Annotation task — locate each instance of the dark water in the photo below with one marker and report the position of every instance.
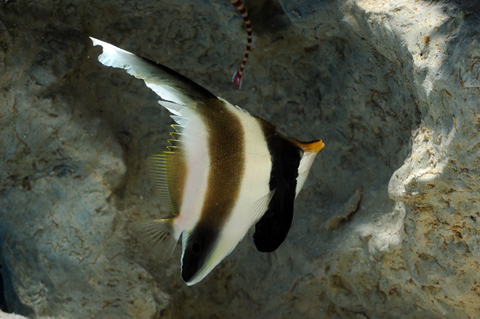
(3, 304)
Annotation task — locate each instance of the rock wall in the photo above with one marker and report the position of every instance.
(385, 226)
(4, 315)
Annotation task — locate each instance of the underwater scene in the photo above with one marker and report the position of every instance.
(239, 159)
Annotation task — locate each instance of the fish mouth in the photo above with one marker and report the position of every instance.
(313, 146)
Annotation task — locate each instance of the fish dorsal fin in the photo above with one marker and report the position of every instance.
(168, 84)
(167, 171)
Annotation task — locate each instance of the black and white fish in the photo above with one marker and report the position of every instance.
(225, 171)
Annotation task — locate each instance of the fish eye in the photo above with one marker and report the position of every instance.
(196, 248)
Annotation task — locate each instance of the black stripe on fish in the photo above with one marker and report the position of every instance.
(198, 248)
(272, 229)
(227, 161)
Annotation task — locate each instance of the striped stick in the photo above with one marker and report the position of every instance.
(237, 77)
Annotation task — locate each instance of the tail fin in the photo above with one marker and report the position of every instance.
(157, 235)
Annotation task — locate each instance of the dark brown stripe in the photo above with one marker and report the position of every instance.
(227, 161)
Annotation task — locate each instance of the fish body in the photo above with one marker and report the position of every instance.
(225, 171)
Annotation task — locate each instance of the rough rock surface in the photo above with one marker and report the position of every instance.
(387, 225)
(4, 315)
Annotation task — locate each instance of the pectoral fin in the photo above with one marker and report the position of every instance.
(260, 206)
(272, 229)
(168, 172)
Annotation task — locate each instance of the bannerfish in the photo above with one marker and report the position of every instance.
(237, 76)
(225, 171)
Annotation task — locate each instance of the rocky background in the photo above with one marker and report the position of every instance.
(387, 224)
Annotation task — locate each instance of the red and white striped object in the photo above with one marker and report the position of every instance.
(237, 77)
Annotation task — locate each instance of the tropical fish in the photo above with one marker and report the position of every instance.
(225, 171)
(237, 76)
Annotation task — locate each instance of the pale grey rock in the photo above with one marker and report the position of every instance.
(4, 315)
(350, 207)
(392, 87)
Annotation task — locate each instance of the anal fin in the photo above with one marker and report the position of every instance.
(158, 236)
